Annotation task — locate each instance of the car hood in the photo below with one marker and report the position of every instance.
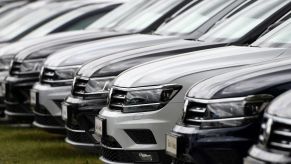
(171, 69)
(262, 78)
(281, 106)
(79, 55)
(15, 48)
(59, 41)
(112, 65)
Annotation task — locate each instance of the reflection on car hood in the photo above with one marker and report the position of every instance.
(15, 48)
(262, 78)
(59, 41)
(112, 65)
(281, 106)
(81, 54)
(168, 70)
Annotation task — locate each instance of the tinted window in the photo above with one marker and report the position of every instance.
(74, 20)
(82, 24)
(120, 13)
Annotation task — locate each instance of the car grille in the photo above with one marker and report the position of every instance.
(117, 99)
(116, 155)
(141, 136)
(72, 122)
(110, 142)
(80, 137)
(48, 76)
(79, 86)
(15, 68)
(195, 112)
(276, 134)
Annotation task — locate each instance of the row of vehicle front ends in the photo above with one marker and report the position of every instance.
(218, 97)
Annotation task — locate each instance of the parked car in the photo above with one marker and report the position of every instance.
(146, 101)
(273, 146)
(47, 111)
(81, 106)
(17, 100)
(225, 112)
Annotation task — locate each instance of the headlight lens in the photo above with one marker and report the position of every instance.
(145, 100)
(96, 85)
(66, 74)
(226, 113)
(5, 64)
(31, 66)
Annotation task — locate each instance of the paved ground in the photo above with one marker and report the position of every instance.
(33, 146)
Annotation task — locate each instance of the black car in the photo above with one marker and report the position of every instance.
(17, 100)
(83, 104)
(273, 145)
(223, 114)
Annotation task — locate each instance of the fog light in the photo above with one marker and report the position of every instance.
(146, 156)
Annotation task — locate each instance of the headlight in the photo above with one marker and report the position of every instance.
(96, 85)
(66, 74)
(145, 99)
(31, 65)
(5, 64)
(225, 112)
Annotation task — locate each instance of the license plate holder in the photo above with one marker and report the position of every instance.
(33, 97)
(64, 112)
(100, 128)
(173, 143)
(3, 89)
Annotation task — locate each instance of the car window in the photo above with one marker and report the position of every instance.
(190, 20)
(29, 21)
(143, 19)
(243, 22)
(120, 13)
(61, 24)
(82, 24)
(278, 37)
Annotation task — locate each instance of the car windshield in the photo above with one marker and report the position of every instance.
(278, 37)
(122, 12)
(190, 20)
(29, 21)
(244, 21)
(62, 20)
(144, 19)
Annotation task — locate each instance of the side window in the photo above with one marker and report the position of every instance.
(81, 23)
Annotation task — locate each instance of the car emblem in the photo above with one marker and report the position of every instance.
(267, 132)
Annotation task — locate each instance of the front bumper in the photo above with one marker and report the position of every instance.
(258, 155)
(17, 97)
(211, 146)
(80, 121)
(134, 134)
(47, 108)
